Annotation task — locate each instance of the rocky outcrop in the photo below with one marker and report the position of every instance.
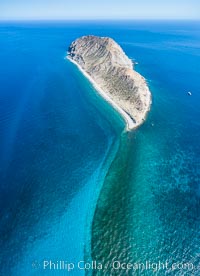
(108, 66)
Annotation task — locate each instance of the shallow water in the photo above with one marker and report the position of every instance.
(58, 139)
(149, 208)
(53, 150)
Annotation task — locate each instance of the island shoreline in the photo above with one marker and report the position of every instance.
(129, 123)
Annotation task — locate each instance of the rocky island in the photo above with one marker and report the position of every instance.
(106, 65)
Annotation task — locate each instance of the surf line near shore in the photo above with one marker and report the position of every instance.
(130, 124)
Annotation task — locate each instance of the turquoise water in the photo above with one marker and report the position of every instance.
(59, 199)
(149, 207)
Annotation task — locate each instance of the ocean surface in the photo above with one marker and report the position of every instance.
(73, 185)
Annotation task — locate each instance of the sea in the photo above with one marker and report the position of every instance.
(75, 188)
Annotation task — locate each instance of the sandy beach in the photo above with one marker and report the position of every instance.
(130, 124)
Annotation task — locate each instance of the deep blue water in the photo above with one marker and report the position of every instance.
(57, 140)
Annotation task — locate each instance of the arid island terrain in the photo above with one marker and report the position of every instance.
(106, 65)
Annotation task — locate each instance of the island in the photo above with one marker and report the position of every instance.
(112, 73)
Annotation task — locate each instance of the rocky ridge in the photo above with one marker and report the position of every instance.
(109, 67)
